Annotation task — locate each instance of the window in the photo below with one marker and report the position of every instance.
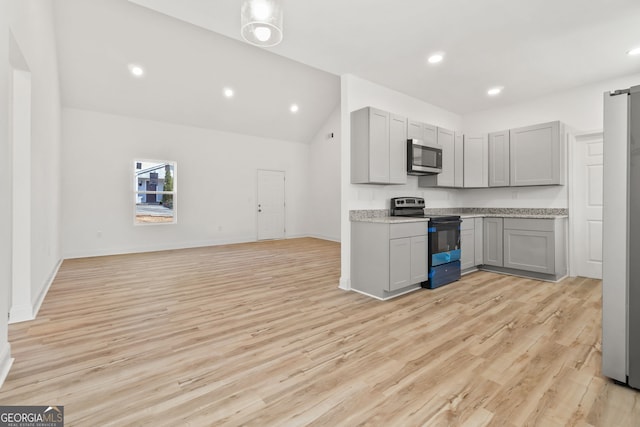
(154, 188)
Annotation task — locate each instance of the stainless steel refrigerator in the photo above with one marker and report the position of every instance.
(621, 237)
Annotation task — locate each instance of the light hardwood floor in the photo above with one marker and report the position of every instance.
(259, 334)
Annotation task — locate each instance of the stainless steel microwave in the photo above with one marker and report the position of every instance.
(423, 159)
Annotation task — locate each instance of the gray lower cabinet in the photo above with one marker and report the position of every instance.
(407, 261)
(479, 239)
(536, 245)
(492, 241)
(471, 239)
(399, 263)
(468, 244)
(388, 259)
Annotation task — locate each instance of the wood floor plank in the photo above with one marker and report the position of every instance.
(258, 334)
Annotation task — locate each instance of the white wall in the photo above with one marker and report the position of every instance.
(216, 184)
(324, 180)
(580, 108)
(32, 27)
(31, 24)
(5, 178)
(357, 93)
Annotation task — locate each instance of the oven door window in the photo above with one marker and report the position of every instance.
(445, 237)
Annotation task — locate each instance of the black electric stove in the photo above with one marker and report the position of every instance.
(443, 243)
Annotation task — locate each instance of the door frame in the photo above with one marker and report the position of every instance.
(284, 195)
(576, 165)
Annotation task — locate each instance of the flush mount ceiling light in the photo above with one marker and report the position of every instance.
(495, 91)
(634, 52)
(136, 70)
(228, 92)
(436, 58)
(294, 108)
(261, 22)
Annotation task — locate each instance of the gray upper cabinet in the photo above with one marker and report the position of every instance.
(492, 240)
(476, 163)
(499, 159)
(458, 155)
(537, 155)
(397, 149)
(447, 141)
(378, 147)
(446, 178)
(422, 131)
(415, 130)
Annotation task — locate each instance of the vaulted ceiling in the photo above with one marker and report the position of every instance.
(191, 50)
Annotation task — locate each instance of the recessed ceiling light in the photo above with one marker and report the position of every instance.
(294, 108)
(495, 91)
(228, 92)
(633, 52)
(436, 58)
(136, 70)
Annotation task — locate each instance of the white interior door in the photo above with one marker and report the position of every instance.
(587, 242)
(271, 204)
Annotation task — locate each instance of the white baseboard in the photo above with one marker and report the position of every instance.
(43, 293)
(323, 237)
(20, 313)
(24, 313)
(345, 284)
(5, 362)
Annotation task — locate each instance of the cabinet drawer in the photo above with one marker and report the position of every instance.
(409, 229)
(529, 224)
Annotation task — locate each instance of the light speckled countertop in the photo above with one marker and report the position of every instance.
(382, 215)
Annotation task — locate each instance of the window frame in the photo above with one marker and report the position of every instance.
(136, 192)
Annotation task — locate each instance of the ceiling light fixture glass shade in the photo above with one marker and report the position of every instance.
(261, 22)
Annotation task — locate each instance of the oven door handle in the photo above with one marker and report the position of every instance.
(445, 222)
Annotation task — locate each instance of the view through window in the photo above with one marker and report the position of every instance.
(155, 191)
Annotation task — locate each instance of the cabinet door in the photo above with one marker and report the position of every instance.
(493, 241)
(399, 263)
(458, 153)
(397, 149)
(446, 141)
(378, 146)
(536, 155)
(499, 159)
(529, 250)
(430, 134)
(419, 259)
(479, 236)
(415, 130)
(467, 245)
(476, 163)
